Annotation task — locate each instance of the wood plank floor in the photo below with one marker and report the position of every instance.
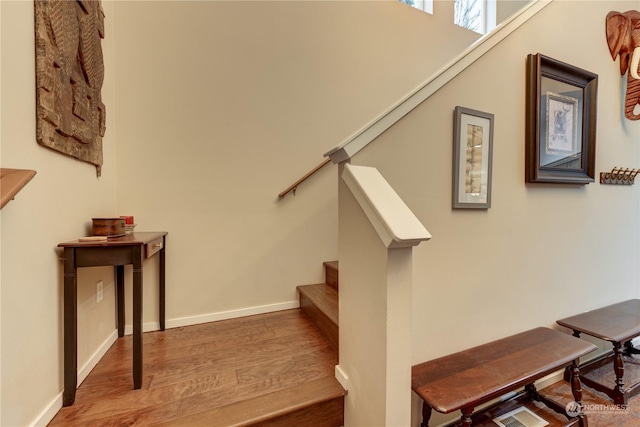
(599, 408)
(233, 372)
(206, 372)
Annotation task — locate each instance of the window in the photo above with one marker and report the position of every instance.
(475, 15)
(424, 5)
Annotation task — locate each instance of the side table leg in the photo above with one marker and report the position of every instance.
(568, 371)
(576, 385)
(137, 317)
(426, 414)
(119, 271)
(70, 328)
(466, 416)
(618, 366)
(576, 390)
(161, 289)
(532, 392)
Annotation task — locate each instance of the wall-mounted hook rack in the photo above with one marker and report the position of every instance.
(619, 176)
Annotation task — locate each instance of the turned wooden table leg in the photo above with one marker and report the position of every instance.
(568, 371)
(426, 415)
(576, 385)
(618, 367)
(576, 390)
(466, 416)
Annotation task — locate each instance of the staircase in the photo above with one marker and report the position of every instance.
(319, 403)
(320, 302)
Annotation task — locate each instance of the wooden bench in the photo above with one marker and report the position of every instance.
(470, 378)
(619, 324)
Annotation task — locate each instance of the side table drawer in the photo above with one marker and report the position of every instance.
(154, 246)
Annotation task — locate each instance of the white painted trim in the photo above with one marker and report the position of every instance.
(56, 404)
(48, 413)
(342, 377)
(392, 219)
(214, 317)
(146, 327)
(361, 138)
(231, 314)
(83, 372)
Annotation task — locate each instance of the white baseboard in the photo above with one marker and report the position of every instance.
(214, 317)
(48, 413)
(54, 406)
(342, 377)
(231, 314)
(83, 372)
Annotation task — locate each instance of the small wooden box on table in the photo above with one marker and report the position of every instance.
(471, 378)
(118, 252)
(618, 324)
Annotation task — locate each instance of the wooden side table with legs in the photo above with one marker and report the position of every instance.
(118, 252)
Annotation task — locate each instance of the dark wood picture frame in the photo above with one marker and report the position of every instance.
(472, 158)
(561, 115)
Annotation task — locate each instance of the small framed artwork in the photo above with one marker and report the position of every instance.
(472, 157)
(561, 122)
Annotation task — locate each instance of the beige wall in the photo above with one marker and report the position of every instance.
(222, 105)
(506, 8)
(541, 252)
(218, 107)
(57, 205)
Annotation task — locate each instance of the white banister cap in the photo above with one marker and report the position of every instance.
(392, 219)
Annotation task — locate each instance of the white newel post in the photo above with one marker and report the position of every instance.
(377, 232)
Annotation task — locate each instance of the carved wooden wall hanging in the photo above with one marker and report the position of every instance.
(623, 38)
(70, 114)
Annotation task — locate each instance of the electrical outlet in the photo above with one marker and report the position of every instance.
(99, 291)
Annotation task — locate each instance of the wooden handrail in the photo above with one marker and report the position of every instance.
(12, 181)
(294, 186)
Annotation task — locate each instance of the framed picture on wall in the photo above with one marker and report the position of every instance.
(561, 122)
(472, 158)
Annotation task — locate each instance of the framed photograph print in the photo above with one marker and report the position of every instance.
(561, 122)
(472, 157)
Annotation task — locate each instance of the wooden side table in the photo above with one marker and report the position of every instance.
(118, 252)
(470, 378)
(619, 324)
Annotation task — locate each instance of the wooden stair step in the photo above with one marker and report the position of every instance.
(320, 303)
(324, 297)
(331, 273)
(316, 403)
